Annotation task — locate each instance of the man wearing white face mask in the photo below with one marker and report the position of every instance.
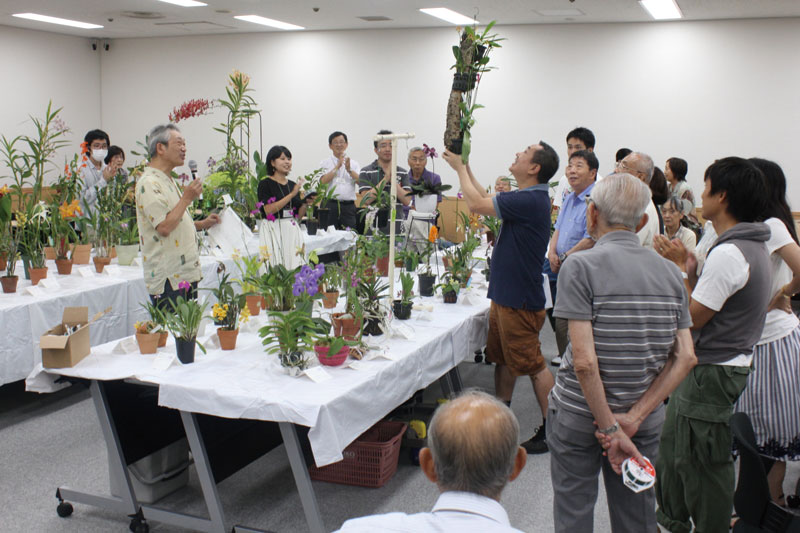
(96, 174)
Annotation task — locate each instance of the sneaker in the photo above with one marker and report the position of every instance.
(538, 443)
(556, 361)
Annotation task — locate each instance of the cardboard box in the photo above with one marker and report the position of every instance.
(64, 351)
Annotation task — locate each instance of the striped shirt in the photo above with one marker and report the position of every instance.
(636, 302)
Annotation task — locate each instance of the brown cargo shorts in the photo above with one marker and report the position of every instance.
(514, 339)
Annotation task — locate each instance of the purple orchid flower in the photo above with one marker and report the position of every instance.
(429, 151)
(271, 200)
(270, 217)
(185, 286)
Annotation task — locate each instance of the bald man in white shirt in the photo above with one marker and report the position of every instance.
(473, 453)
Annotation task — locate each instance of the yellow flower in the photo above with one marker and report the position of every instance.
(263, 253)
(244, 315)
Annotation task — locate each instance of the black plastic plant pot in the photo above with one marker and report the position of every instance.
(373, 327)
(185, 350)
(450, 297)
(426, 284)
(402, 310)
(456, 146)
(461, 82)
(311, 226)
(324, 216)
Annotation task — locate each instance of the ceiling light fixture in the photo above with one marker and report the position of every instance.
(662, 9)
(184, 3)
(56, 20)
(449, 15)
(264, 21)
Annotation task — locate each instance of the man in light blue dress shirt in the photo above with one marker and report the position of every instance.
(472, 455)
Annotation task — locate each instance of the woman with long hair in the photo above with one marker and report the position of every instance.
(772, 396)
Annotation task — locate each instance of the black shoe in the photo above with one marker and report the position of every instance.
(538, 443)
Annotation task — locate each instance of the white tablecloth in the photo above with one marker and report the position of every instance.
(24, 318)
(248, 383)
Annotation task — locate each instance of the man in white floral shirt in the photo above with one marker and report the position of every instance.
(166, 230)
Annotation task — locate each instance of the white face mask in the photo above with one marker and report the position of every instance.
(99, 155)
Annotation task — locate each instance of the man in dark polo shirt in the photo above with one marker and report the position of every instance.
(515, 283)
(376, 175)
(630, 346)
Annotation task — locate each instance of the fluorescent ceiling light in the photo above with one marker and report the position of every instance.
(449, 15)
(662, 9)
(185, 3)
(264, 21)
(56, 20)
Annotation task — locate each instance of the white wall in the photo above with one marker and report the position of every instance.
(698, 90)
(37, 67)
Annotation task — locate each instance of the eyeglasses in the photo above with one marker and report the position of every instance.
(622, 166)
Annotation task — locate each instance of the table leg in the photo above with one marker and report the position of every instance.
(455, 380)
(301, 477)
(201, 463)
(120, 480)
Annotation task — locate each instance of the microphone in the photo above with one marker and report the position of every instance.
(193, 169)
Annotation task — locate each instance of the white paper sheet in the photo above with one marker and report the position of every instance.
(231, 234)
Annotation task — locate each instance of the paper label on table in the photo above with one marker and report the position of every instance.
(137, 261)
(423, 307)
(50, 284)
(317, 374)
(401, 331)
(331, 229)
(164, 360)
(35, 290)
(111, 270)
(386, 354)
(358, 365)
(126, 345)
(471, 299)
(227, 199)
(86, 272)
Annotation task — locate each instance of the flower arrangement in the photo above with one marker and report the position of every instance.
(192, 108)
(62, 218)
(305, 288)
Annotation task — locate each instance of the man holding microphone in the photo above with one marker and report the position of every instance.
(168, 235)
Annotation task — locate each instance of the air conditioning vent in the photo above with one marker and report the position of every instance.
(146, 15)
(374, 18)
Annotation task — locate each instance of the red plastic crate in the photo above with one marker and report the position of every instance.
(369, 461)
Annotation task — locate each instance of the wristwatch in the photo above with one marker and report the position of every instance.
(610, 430)
(562, 257)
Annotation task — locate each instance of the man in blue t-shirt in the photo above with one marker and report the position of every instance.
(515, 283)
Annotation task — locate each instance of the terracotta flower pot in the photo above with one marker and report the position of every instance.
(38, 274)
(49, 253)
(148, 342)
(253, 304)
(329, 299)
(328, 359)
(9, 283)
(162, 338)
(100, 263)
(64, 266)
(227, 338)
(82, 254)
(345, 327)
(383, 265)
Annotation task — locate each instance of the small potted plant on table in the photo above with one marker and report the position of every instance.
(183, 321)
(332, 350)
(402, 306)
(147, 336)
(331, 281)
(450, 288)
(128, 247)
(289, 334)
(370, 294)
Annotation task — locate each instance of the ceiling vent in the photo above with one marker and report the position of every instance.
(374, 18)
(146, 15)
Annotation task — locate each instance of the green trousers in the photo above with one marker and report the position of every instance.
(694, 470)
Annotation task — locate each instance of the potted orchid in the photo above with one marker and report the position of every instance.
(331, 281)
(229, 310)
(332, 350)
(305, 288)
(402, 306)
(159, 318)
(450, 287)
(63, 234)
(183, 320)
(289, 335)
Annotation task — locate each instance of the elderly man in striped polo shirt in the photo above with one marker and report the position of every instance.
(629, 348)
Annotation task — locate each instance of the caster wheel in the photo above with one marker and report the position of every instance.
(478, 358)
(137, 526)
(64, 509)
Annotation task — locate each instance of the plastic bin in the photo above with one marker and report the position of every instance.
(161, 473)
(369, 461)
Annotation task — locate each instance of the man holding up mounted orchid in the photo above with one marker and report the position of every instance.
(515, 284)
(168, 235)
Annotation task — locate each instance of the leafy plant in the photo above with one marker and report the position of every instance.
(492, 224)
(129, 232)
(334, 344)
(370, 293)
(332, 279)
(449, 284)
(32, 225)
(157, 315)
(407, 287)
(289, 332)
(277, 285)
(184, 319)
(62, 233)
(424, 188)
(229, 306)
